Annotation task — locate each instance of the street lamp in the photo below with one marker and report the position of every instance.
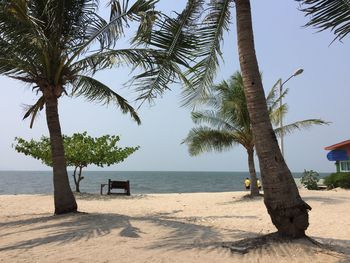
(296, 73)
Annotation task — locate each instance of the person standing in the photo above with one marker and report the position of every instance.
(247, 183)
(258, 183)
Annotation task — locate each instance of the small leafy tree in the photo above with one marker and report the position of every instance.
(310, 179)
(80, 149)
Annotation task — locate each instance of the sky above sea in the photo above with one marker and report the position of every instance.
(282, 45)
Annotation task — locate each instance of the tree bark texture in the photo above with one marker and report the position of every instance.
(288, 212)
(254, 191)
(63, 196)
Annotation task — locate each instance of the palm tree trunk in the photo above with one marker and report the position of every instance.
(289, 213)
(254, 191)
(63, 196)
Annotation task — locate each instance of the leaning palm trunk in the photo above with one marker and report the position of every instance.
(289, 213)
(254, 191)
(63, 196)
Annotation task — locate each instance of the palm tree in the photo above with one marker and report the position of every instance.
(228, 122)
(48, 45)
(204, 23)
(328, 14)
(289, 213)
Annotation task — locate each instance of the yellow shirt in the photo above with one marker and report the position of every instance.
(247, 182)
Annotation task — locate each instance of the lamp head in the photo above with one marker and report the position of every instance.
(298, 72)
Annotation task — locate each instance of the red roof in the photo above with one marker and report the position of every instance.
(338, 145)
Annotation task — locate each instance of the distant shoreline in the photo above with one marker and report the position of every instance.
(156, 171)
(40, 182)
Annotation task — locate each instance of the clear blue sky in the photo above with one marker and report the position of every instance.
(282, 46)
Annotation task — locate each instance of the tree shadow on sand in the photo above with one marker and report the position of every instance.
(180, 233)
(339, 245)
(325, 200)
(66, 228)
(288, 247)
(44, 229)
(245, 198)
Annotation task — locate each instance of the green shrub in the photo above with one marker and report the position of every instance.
(310, 179)
(338, 180)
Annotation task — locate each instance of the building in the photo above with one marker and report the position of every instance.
(340, 153)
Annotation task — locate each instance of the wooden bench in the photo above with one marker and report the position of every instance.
(117, 185)
(322, 187)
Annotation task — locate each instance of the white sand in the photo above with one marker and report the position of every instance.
(165, 228)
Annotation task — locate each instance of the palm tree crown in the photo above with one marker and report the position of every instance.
(47, 44)
(228, 118)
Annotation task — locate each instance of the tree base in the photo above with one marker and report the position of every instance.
(73, 208)
(290, 222)
(247, 245)
(66, 211)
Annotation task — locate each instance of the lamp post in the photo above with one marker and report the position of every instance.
(296, 73)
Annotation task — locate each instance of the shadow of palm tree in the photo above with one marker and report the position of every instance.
(326, 200)
(287, 246)
(245, 198)
(339, 245)
(181, 234)
(187, 232)
(68, 228)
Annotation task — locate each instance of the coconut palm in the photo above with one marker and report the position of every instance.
(205, 21)
(55, 47)
(289, 213)
(328, 14)
(228, 122)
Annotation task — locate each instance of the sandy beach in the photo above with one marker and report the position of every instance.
(196, 227)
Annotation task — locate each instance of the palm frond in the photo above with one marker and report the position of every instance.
(108, 32)
(33, 110)
(274, 97)
(145, 59)
(93, 90)
(210, 35)
(19, 48)
(278, 113)
(174, 36)
(203, 139)
(299, 125)
(213, 119)
(273, 94)
(328, 14)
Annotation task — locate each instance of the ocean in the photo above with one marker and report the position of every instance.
(141, 182)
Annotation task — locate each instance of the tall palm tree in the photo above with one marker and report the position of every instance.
(205, 21)
(52, 46)
(328, 14)
(228, 122)
(289, 213)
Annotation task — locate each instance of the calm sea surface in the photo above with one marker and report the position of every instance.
(40, 182)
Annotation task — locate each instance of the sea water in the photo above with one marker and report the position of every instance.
(141, 182)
